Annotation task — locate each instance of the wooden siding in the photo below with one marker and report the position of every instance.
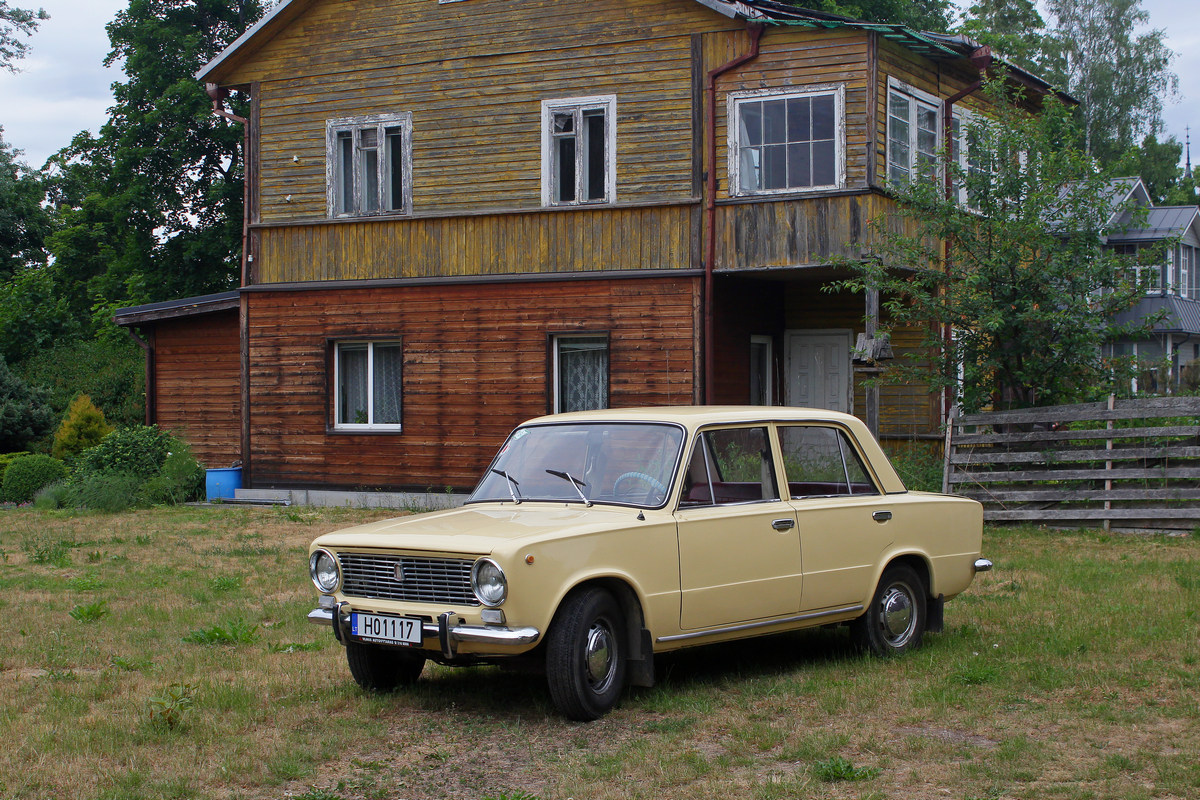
(557, 240)
(473, 75)
(796, 59)
(475, 365)
(197, 380)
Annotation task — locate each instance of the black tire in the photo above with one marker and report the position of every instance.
(585, 655)
(382, 669)
(895, 621)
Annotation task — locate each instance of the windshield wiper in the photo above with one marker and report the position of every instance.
(566, 476)
(512, 482)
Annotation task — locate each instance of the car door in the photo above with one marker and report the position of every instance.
(843, 518)
(739, 550)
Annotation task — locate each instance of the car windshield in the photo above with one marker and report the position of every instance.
(599, 462)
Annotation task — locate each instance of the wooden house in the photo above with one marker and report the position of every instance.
(464, 213)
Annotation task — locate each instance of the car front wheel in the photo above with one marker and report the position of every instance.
(895, 621)
(585, 655)
(382, 669)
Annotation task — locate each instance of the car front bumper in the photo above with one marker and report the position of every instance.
(447, 634)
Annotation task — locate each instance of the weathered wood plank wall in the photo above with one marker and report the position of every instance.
(475, 364)
(197, 379)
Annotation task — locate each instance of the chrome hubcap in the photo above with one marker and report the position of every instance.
(896, 615)
(598, 656)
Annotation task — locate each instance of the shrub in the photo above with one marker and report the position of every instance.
(106, 491)
(112, 373)
(180, 480)
(54, 495)
(140, 451)
(83, 427)
(8, 458)
(27, 474)
(24, 415)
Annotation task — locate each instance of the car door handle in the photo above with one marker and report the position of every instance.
(881, 516)
(783, 524)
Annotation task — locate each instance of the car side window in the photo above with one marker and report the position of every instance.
(730, 465)
(820, 462)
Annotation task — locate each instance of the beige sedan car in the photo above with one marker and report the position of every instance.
(596, 540)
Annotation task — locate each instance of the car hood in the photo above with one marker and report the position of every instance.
(479, 529)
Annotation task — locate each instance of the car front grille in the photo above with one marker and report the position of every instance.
(420, 580)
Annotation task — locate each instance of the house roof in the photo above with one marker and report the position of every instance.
(938, 47)
(1162, 222)
(171, 309)
(1181, 315)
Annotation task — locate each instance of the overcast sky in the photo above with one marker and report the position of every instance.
(63, 87)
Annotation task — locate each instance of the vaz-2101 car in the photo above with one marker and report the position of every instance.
(597, 539)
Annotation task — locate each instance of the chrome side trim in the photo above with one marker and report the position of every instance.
(983, 565)
(764, 624)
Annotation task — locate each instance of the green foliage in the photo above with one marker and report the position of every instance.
(140, 450)
(1016, 29)
(922, 15)
(35, 312)
(24, 415)
(8, 458)
(919, 467)
(837, 768)
(181, 479)
(238, 631)
(111, 372)
(90, 612)
(54, 495)
(14, 21)
(24, 221)
(83, 427)
(168, 709)
(44, 550)
(28, 474)
(1022, 279)
(105, 491)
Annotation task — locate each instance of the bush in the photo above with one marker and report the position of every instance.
(54, 495)
(83, 427)
(140, 451)
(112, 373)
(24, 415)
(8, 458)
(27, 474)
(181, 479)
(106, 491)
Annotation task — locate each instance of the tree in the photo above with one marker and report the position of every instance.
(24, 221)
(83, 427)
(1016, 31)
(1156, 163)
(151, 207)
(1021, 278)
(24, 415)
(15, 22)
(922, 15)
(1120, 77)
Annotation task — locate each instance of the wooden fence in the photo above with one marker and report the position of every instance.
(1121, 465)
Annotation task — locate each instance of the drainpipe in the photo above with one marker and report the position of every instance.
(218, 95)
(710, 204)
(981, 59)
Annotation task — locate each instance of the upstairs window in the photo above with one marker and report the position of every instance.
(786, 142)
(369, 165)
(579, 150)
(913, 134)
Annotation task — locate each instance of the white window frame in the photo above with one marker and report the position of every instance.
(556, 341)
(734, 102)
(579, 106)
(333, 164)
(370, 424)
(916, 98)
(767, 343)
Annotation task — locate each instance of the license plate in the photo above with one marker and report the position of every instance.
(387, 630)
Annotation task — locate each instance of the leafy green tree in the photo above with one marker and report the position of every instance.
(16, 22)
(111, 372)
(24, 221)
(1015, 30)
(1119, 76)
(1156, 163)
(1018, 275)
(923, 15)
(24, 415)
(35, 313)
(151, 207)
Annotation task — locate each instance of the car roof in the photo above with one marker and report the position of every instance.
(694, 416)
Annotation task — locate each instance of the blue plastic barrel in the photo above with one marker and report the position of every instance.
(220, 484)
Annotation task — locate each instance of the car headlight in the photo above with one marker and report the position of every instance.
(488, 582)
(325, 572)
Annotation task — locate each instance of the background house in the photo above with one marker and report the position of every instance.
(463, 214)
(1170, 238)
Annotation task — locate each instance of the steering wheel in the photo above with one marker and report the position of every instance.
(640, 477)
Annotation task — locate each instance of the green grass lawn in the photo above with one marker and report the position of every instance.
(165, 654)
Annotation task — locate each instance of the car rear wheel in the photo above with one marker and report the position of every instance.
(382, 669)
(895, 621)
(585, 655)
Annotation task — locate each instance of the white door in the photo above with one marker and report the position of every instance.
(818, 369)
